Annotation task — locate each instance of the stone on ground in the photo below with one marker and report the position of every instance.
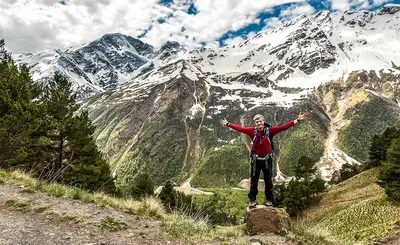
(263, 219)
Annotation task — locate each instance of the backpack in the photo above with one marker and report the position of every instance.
(266, 133)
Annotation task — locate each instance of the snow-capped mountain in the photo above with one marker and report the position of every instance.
(308, 51)
(339, 67)
(101, 65)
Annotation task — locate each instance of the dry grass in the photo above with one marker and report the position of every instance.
(148, 207)
(356, 210)
(180, 225)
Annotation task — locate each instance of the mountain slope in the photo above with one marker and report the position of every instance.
(355, 211)
(341, 68)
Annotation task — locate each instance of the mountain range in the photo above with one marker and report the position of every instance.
(157, 109)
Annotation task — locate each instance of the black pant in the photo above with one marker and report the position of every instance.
(266, 167)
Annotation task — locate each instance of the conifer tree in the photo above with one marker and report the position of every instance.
(379, 146)
(304, 168)
(348, 170)
(60, 103)
(88, 168)
(143, 186)
(173, 199)
(298, 194)
(39, 132)
(389, 176)
(168, 194)
(71, 152)
(375, 152)
(19, 112)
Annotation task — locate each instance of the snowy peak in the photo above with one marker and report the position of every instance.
(120, 42)
(169, 50)
(103, 64)
(303, 53)
(389, 9)
(310, 50)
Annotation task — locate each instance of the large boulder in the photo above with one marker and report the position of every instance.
(263, 219)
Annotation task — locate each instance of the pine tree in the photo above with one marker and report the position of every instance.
(297, 197)
(39, 132)
(318, 184)
(304, 168)
(19, 112)
(300, 191)
(379, 146)
(376, 153)
(89, 170)
(70, 148)
(389, 176)
(348, 170)
(60, 103)
(143, 186)
(168, 194)
(173, 199)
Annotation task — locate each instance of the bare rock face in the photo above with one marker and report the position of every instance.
(263, 219)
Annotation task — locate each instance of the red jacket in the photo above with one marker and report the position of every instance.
(261, 148)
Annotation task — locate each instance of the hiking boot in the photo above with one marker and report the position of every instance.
(252, 204)
(268, 204)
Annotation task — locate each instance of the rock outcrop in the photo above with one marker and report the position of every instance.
(263, 219)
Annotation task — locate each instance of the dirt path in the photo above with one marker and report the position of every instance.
(39, 219)
(43, 219)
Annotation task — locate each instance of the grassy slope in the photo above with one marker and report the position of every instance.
(160, 151)
(355, 210)
(364, 120)
(229, 160)
(304, 139)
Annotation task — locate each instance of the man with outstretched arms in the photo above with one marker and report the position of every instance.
(261, 152)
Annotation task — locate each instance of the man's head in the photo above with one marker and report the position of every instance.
(259, 121)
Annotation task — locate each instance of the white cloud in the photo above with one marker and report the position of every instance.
(288, 14)
(295, 10)
(37, 25)
(31, 26)
(340, 4)
(213, 19)
(233, 40)
(272, 23)
(357, 4)
(251, 34)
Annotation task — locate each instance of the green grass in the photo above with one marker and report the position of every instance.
(354, 211)
(179, 225)
(231, 202)
(113, 225)
(42, 209)
(17, 204)
(58, 190)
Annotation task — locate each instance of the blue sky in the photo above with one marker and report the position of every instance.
(37, 25)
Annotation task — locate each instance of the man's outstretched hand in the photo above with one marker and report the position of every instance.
(223, 122)
(302, 116)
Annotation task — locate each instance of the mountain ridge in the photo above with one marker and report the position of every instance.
(168, 115)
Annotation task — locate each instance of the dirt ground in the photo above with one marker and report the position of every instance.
(43, 219)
